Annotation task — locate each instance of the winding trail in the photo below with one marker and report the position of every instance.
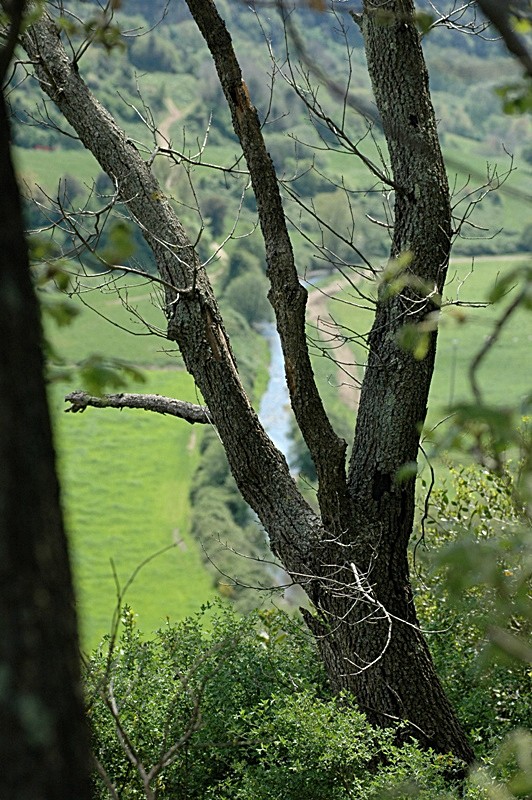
(163, 132)
(174, 115)
(348, 375)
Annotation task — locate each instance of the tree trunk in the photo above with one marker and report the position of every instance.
(43, 740)
(377, 650)
(352, 560)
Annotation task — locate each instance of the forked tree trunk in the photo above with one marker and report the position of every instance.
(366, 624)
(352, 558)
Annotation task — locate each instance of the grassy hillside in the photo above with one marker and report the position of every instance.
(123, 328)
(126, 477)
(167, 74)
(505, 374)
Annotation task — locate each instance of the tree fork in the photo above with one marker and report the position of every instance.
(354, 569)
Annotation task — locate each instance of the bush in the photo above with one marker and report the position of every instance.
(223, 664)
(476, 578)
(242, 709)
(525, 242)
(234, 545)
(247, 294)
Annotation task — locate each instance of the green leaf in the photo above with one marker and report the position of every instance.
(396, 266)
(384, 17)
(120, 243)
(521, 25)
(516, 97)
(68, 25)
(414, 339)
(502, 286)
(406, 471)
(99, 374)
(424, 21)
(61, 310)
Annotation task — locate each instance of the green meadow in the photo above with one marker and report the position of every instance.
(43, 167)
(126, 478)
(504, 374)
(122, 319)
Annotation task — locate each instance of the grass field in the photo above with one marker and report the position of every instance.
(469, 162)
(505, 373)
(43, 167)
(126, 476)
(105, 325)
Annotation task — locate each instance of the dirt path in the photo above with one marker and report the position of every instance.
(164, 129)
(319, 316)
(174, 115)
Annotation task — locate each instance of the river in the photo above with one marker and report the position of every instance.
(274, 410)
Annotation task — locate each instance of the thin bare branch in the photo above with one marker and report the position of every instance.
(102, 772)
(491, 339)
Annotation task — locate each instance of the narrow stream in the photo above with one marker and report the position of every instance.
(274, 410)
(276, 415)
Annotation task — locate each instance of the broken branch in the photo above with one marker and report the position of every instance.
(190, 412)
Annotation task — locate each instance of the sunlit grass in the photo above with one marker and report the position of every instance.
(505, 373)
(126, 479)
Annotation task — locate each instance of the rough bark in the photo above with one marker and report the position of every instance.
(43, 741)
(392, 407)
(190, 412)
(353, 560)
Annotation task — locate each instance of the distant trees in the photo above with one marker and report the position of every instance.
(147, 55)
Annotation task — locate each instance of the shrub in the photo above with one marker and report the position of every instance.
(247, 294)
(476, 578)
(242, 708)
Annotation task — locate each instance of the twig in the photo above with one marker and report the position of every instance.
(490, 341)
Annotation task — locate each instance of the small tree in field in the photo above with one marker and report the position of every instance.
(350, 556)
